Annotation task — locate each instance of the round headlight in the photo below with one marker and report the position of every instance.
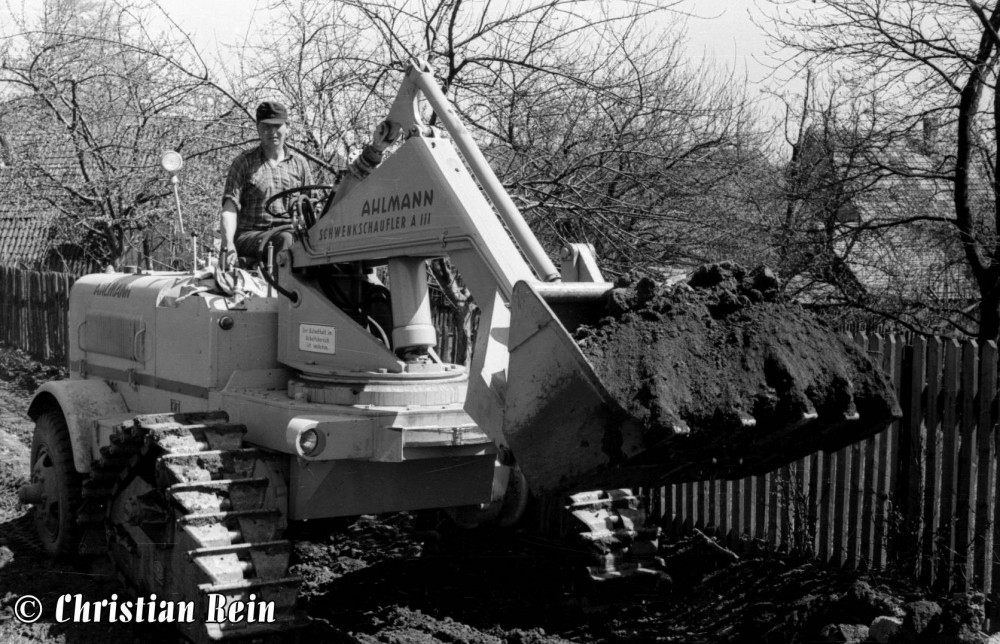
(171, 161)
(309, 442)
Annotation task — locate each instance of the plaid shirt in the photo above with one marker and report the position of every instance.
(252, 181)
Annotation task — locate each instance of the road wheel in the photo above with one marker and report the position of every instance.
(52, 468)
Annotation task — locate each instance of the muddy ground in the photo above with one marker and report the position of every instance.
(378, 580)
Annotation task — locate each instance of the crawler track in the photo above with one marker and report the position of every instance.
(621, 543)
(186, 512)
(189, 514)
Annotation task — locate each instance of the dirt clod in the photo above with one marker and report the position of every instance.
(922, 622)
(691, 560)
(848, 633)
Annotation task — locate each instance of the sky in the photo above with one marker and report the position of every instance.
(723, 31)
(718, 30)
(216, 21)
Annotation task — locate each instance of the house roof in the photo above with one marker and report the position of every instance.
(887, 233)
(912, 263)
(24, 229)
(24, 239)
(26, 214)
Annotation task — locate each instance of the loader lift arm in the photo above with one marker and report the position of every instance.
(421, 203)
(531, 389)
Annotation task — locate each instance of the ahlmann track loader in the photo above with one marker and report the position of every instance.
(195, 426)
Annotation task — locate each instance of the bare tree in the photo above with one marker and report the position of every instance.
(586, 110)
(95, 96)
(928, 64)
(862, 235)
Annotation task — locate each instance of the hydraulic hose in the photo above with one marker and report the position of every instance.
(268, 277)
(278, 287)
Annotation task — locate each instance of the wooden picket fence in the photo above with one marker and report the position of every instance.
(33, 311)
(919, 498)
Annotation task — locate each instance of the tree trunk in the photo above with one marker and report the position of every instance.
(989, 316)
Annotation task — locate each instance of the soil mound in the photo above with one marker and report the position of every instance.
(725, 379)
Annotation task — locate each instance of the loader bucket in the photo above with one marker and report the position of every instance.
(569, 430)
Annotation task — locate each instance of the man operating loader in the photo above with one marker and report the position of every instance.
(254, 177)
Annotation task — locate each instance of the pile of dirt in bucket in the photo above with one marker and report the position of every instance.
(724, 378)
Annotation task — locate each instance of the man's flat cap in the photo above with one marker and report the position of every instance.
(271, 112)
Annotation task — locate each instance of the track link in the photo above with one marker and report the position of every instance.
(191, 516)
(617, 534)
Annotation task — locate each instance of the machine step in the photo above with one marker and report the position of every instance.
(214, 534)
(175, 437)
(220, 496)
(264, 560)
(251, 525)
(208, 466)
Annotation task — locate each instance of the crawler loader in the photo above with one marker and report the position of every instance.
(198, 422)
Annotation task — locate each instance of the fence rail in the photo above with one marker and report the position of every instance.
(33, 311)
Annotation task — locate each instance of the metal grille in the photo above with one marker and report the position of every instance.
(115, 334)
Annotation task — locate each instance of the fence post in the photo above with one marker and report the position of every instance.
(856, 500)
(816, 476)
(5, 306)
(877, 348)
(967, 465)
(749, 508)
(893, 364)
(910, 484)
(983, 558)
(805, 526)
(840, 514)
(932, 487)
(993, 597)
(829, 461)
(736, 517)
(949, 463)
(726, 509)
